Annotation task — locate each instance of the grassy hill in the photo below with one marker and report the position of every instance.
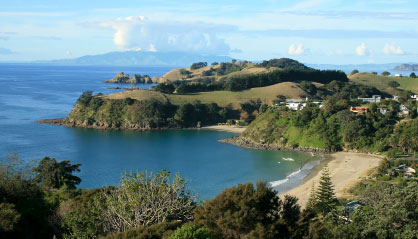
(223, 98)
(230, 69)
(381, 82)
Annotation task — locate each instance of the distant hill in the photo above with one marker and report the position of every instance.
(407, 67)
(141, 58)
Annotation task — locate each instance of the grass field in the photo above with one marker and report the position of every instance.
(223, 98)
(381, 82)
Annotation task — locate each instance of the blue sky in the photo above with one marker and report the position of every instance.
(312, 31)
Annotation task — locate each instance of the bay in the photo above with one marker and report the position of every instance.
(30, 92)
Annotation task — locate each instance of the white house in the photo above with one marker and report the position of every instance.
(414, 97)
(383, 110)
(374, 99)
(404, 110)
(398, 75)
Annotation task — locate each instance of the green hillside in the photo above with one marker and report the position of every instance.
(381, 82)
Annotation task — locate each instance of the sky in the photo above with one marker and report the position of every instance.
(311, 31)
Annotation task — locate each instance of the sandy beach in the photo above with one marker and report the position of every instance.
(346, 169)
(227, 128)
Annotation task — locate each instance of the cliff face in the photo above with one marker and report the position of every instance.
(136, 79)
(278, 130)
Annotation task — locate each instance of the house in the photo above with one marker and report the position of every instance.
(414, 97)
(403, 110)
(352, 206)
(373, 99)
(398, 75)
(383, 110)
(395, 98)
(295, 104)
(359, 110)
(405, 170)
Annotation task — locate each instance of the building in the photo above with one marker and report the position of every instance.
(398, 75)
(383, 110)
(405, 170)
(359, 110)
(374, 99)
(414, 97)
(403, 110)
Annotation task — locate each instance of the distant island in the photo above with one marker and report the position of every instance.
(407, 67)
(136, 79)
(139, 58)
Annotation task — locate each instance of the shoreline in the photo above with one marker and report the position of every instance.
(226, 128)
(251, 144)
(61, 122)
(346, 170)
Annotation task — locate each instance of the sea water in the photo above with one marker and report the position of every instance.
(30, 92)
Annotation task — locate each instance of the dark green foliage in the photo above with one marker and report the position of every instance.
(198, 65)
(308, 87)
(237, 83)
(167, 88)
(355, 71)
(238, 211)
(406, 136)
(385, 73)
(325, 195)
(227, 68)
(393, 84)
(413, 75)
(190, 231)
(85, 97)
(184, 72)
(284, 63)
(157, 231)
(24, 211)
(53, 174)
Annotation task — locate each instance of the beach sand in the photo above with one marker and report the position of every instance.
(226, 128)
(346, 169)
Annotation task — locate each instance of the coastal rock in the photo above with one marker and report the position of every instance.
(126, 79)
(249, 143)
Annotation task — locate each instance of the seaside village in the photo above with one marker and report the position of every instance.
(299, 104)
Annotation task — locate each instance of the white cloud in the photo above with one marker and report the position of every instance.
(296, 50)
(140, 33)
(363, 51)
(392, 49)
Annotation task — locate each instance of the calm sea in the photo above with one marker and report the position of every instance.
(32, 92)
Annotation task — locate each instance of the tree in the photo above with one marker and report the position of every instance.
(393, 84)
(326, 200)
(144, 199)
(53, 174)
(385, 73)
(189, 231)
(355, 71)
(412, 75)
(237, 211)
(85, 97)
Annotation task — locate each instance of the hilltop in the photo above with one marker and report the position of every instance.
(218, 71)
(381, 82)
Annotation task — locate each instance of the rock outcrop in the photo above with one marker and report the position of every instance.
(136, 79)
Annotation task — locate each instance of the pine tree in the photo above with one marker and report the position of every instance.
(325, 195)
(312, 200)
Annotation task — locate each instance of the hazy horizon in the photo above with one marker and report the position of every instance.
(311, 31)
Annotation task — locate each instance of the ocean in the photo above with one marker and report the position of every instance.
(30, 92)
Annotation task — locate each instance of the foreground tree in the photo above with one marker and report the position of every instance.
(325, 195)
(143, 199)
(53, 174)
(412, 75)
(393, 84)
(385, 73)
(246, 211)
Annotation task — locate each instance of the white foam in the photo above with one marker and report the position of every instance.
(288, 159)
(279, 182)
